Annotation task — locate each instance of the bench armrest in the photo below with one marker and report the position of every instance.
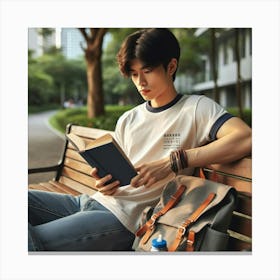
(43, 169)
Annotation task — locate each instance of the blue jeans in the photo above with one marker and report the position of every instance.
(61, 222)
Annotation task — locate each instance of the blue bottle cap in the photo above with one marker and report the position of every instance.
(159, 242)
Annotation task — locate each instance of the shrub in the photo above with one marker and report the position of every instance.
(79, 116)
(247, 115)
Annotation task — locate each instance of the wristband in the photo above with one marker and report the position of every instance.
(178, 160)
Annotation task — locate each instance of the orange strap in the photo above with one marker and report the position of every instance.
(201, 174)
(213, 176)
(148, 227)
(190, 241)
(182, 229)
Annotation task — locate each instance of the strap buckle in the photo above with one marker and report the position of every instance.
(182, 230)
(190, 242)
(153, 219)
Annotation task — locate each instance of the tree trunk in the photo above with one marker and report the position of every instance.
(214, 66)
(95, 100)
(238, 76)
(93, 53)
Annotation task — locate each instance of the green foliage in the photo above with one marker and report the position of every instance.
(116, 87)
(42, 108)
(40, 85)
(247, 114)
(191, 49)
(53, 78)
(79, 116)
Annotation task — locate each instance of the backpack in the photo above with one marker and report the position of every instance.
(193, 214)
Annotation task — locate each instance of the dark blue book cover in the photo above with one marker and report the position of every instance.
(107, 156)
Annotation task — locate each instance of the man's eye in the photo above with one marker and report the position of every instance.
(148, 70)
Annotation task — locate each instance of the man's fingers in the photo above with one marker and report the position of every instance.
(136, 181)
(110, 189)
(144, 177)
(150, 182)
(93, 173)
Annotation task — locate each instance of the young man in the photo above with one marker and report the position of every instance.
(168, 134)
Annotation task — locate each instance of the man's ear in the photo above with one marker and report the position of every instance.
(172, 66)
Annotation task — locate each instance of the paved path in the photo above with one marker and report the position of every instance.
(44, 145)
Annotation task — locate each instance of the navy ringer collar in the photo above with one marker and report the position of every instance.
(162, 108)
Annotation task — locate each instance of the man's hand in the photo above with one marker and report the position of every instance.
(152, 172)
(106, 189)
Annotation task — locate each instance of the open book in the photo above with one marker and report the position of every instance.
(106, 155)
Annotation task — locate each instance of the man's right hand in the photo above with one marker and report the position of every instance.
(100, 183)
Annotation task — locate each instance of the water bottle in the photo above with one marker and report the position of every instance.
(159, 244)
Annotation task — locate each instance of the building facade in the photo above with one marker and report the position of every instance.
(71, 40)
(38, 42)
(227, 68)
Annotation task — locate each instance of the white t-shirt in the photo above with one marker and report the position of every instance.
(147, 134)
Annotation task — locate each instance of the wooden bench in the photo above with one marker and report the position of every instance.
(73, 177)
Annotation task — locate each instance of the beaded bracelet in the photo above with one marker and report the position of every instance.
(178, 160)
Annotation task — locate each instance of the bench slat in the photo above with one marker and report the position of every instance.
(79, 177)
(241, 168)
(64, 189)
(239, 185)
(76, 185)
(48, 186)
(89, 132)
(74, 155)
(236, 244)
(51, 187)
(78, 166)
(241, 224)
(244, 204)
(39, 187)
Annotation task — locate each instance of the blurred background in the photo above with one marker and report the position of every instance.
(73, 77)
(61, 62)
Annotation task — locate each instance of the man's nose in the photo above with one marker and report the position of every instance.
(141, 80)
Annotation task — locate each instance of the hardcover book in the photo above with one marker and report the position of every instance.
(106, 155)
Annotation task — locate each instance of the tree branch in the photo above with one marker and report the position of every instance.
(93, 32)
(82, 47)
(85, 35)
(99, 34)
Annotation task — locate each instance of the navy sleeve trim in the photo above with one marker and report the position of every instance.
(165, 107)
(216, 126)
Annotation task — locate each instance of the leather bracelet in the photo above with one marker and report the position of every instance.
(178, 160)
(173, 163)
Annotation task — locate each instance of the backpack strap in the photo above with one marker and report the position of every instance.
(148, 227)
(190, 241)
(213, 176)
(182, 229)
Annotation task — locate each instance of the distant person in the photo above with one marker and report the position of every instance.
(69, 103)
(168, 123)
(66, 104)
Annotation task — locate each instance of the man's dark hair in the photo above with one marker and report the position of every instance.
(153, 47)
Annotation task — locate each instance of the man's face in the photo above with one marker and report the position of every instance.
(153, 84)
